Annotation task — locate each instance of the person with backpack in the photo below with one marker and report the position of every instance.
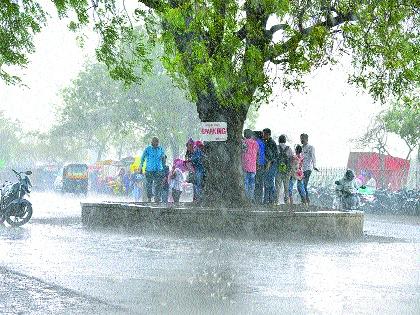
(271, 156)
(284, 166)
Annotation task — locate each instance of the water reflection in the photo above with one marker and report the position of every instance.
(14, 233)
(156, 273)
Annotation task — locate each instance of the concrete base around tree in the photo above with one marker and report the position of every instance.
(260, 222)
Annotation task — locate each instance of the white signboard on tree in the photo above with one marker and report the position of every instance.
(213, 131)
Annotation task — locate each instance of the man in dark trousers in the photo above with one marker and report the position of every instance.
(309, 162)
(271, 156)
(154, 156)
(260, 175)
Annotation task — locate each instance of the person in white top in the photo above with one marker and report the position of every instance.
(309, 162)
(370, 181)
(176, 179)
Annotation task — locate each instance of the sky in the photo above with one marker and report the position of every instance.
(331, 112)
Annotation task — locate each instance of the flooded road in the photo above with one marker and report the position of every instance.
(134, 273)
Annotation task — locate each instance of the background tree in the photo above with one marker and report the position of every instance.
(401, 119)
(222, 51)
(404, 121)
(10, 140)
(376, 139)
(101, 114)
(168, 114)
(95, 112)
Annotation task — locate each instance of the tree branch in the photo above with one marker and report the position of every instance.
(276, 28)
(157, 5)
(280, 48)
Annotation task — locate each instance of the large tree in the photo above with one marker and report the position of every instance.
(221, 52)
(10, 139)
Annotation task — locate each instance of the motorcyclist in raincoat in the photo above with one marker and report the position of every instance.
(346, 190)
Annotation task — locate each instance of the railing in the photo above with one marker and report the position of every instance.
(326, 176)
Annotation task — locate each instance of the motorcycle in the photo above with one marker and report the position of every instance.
(14, 208)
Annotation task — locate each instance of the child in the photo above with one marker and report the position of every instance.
(297, 175)
(137, 182)
(176, 179)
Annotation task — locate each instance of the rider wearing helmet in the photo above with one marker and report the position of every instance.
(347, 190)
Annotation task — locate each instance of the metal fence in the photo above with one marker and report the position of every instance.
(326, 176)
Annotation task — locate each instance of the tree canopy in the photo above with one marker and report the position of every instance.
(228, 53)
(404, 122)
(99, 113)
(19, 22)
(224, 46)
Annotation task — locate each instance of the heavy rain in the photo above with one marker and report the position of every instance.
(209, 157)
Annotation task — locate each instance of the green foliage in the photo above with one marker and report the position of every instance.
(101, 114)
(404, 120)
(10, 139)
(221, 48)
(18, 25)
(386, 44)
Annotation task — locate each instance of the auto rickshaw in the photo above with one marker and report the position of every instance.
(75, 179)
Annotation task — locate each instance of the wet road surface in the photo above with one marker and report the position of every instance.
(109, 271)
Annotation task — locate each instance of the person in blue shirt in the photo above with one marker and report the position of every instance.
(154, 156)
(260, 175)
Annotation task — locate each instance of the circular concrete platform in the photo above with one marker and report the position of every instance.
(274, 222)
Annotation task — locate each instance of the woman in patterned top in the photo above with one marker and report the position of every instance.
(297, 175)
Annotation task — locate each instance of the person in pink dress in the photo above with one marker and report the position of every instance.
(249, 162)
(297, 175)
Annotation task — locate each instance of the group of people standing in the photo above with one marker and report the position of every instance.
(161, 180)
(269, 166)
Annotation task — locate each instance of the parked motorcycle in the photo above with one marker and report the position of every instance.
(14, 208)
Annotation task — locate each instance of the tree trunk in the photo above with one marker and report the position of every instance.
(100, 152)
(120, 150)
(418, 168)
(224, 180)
